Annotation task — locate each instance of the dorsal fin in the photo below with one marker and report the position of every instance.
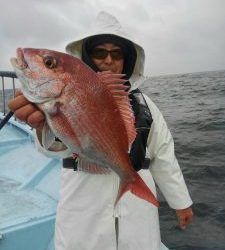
(116, 86)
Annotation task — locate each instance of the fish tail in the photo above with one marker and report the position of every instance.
(139, 188)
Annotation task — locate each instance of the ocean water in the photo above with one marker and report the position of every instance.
(194, 108)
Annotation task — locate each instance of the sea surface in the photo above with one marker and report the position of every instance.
(194, 107)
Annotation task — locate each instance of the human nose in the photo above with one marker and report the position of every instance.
(108, 59)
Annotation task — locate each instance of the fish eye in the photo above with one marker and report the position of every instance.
(50, 62)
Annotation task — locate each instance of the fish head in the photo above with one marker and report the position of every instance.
(43, 73)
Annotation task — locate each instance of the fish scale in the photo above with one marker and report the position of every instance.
(101, 139)
(88, 123)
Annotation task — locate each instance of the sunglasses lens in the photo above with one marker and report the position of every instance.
(117, 54)
(100, 53)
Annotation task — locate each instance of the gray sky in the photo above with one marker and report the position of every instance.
(178, 36)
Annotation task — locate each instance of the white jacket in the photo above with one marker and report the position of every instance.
(86, 214)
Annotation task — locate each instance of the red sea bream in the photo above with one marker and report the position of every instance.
(91, 116)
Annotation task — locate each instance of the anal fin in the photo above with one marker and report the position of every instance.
(88, 167)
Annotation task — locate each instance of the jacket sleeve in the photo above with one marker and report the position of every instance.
(164, 165)
(48, 146)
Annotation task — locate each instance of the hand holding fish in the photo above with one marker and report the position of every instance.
(25, 111)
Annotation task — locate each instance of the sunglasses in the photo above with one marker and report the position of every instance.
(100, 53)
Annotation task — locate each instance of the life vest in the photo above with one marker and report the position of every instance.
(143, 121)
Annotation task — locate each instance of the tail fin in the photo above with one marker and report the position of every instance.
(139, 188)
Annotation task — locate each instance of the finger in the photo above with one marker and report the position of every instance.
(36, 119)
(17, 102)
(24, 112)
(18, 92)
(39, 125)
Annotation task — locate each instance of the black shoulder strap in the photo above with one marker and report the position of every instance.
(143, 121)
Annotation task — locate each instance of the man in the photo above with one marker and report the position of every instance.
(86, 216)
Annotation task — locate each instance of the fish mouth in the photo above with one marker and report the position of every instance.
(19, 61)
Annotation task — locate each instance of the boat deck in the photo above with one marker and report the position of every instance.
(28, 198)
(22, 206)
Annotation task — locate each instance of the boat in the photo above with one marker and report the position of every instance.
(29, 183)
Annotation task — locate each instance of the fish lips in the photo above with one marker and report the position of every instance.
(19, 62)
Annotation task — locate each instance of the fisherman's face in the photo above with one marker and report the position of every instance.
(108, 57)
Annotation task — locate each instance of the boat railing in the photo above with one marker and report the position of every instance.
(7, 90)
